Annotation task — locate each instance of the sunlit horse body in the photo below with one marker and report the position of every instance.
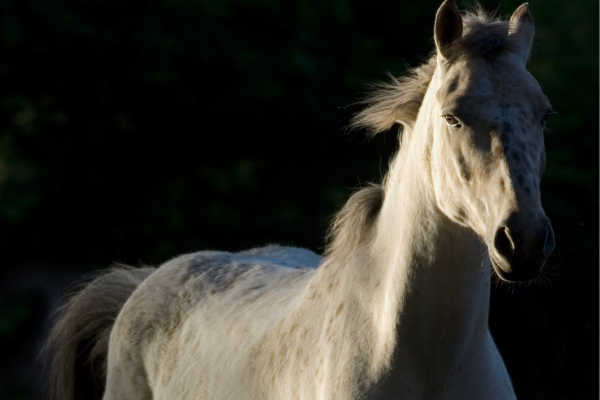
(398, 306)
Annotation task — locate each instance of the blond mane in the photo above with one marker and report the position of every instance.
(352, 223)
(399, 101)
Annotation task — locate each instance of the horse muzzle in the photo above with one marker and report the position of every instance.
(519, 250)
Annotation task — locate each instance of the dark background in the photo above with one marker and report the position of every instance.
(134, 131)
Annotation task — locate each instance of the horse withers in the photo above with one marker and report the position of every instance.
(397, 308)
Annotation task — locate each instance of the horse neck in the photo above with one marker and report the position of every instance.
(436, 271)
(409, 298)
(419, 282)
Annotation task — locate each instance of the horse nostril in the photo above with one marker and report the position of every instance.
(549, 242)
(504, 242)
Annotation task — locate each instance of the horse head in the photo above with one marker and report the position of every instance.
(487, 152)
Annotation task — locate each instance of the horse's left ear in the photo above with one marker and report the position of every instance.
(521, 29)
(448, 27)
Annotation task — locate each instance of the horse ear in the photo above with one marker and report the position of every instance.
(521, 29)
(448, 27)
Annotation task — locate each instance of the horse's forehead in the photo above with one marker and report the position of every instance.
(503, 106)
(494, 91)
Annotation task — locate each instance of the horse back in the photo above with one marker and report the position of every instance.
(198, 319)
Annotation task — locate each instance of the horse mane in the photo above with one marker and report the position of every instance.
(395, 102)
(399, 102)
(352, 223)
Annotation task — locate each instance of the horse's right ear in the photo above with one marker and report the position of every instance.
(448, 27)
(521, 29)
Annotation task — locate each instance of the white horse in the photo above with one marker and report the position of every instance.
(398, 306)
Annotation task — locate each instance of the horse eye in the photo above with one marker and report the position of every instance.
(548, 114)
(452, 121)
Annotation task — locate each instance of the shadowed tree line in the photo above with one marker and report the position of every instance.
(134, 131)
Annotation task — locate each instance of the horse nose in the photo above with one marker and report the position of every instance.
(504, 242)
(522, 248)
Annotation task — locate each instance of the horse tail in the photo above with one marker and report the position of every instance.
(77, 347)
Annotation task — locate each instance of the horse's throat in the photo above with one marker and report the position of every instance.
(440, 282)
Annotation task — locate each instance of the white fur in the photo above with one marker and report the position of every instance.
(400, 311)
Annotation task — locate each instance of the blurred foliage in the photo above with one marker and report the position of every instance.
(21, 320)
(135, 130)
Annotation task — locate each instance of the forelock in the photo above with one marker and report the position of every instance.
(484, 35)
